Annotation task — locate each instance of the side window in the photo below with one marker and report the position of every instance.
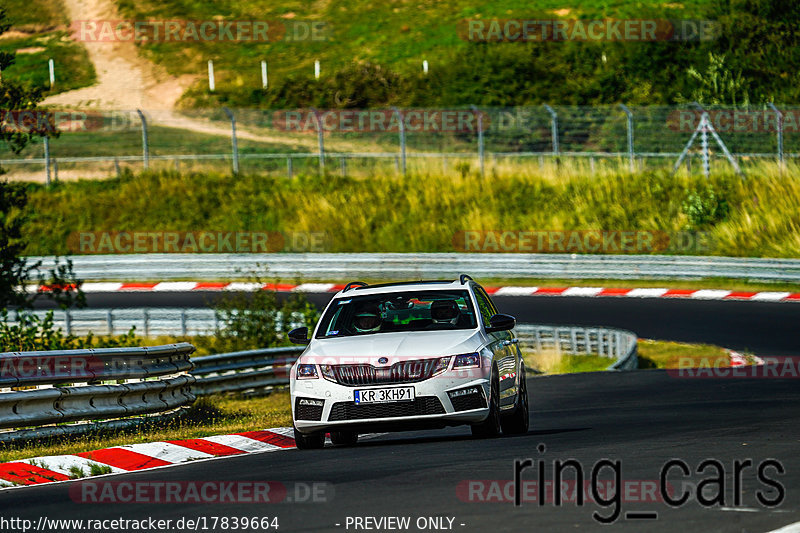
(485, 306)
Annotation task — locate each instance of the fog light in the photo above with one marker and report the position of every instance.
(314, 403)
(464, 392)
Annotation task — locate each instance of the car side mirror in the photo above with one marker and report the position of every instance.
(299, 336)
(501, 322)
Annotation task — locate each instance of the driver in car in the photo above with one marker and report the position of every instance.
(368, 319)
(445, 312)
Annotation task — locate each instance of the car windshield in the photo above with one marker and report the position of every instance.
(398, 311)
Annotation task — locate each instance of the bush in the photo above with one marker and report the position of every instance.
(33, 333)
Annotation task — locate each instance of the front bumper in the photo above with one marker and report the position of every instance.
(432, 406)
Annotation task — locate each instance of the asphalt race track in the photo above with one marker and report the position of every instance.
(764, 328)
(642, 419)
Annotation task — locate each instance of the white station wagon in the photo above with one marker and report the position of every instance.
(408, 356)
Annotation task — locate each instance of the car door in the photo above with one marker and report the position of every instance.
(504, 347)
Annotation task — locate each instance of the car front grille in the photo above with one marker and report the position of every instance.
(400, 372)
(307, 412)
(422, 405)
(468, 401)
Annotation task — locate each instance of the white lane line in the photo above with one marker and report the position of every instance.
(166, 451)
(63, 463)
(710, 294)
(175, 286)
(646, 293)
(313, 287)
(240, 442)
(770, 296)
(791, 528)
(100, 287)
(243, 286)
(516, 291)
(582, 291)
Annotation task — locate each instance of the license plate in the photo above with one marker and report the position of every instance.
(396, 394)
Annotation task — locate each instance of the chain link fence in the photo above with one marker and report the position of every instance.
(291, 142)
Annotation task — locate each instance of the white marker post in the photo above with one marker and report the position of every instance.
(211, 84)
(316, 69)
(264, 79)
(52, 72)
(425, 66)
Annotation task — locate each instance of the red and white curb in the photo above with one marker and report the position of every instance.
(738, 359)
(599, 292)
(143, 456)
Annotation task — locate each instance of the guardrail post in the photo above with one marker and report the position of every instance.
(264, 79)
(146, 322)
(55, 169)
(289, 167)
(402, 127)
(553, 128)
(629, 116)
(211, 83)
(234, 144)
(320, 141)
(480, 138)
(67, 322)
(779, 130)
(343, 165)
(183, 322)
(145, 143)
(117, 170)
(47, 161)
(52, 67)
(110, 322)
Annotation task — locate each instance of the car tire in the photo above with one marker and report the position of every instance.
(491, 426)
(314, 441)
(344, 438)
(518, 422)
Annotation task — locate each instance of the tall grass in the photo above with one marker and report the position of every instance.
(752, 216)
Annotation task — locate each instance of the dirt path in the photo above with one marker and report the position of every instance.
(125, 80)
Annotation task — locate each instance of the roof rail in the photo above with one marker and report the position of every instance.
(464, 278)
(353, 284)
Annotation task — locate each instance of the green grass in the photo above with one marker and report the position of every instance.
(213, 415)
(667, 354)
(41, 27)
(754, 217)
(72, 66)
(396, 35)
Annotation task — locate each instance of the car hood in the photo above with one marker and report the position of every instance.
(399, 346)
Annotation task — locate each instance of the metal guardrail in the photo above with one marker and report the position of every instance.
(263, 369)
(159, 267)
(74, 385)
(617, 344)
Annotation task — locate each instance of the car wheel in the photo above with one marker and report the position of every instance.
(344, 438)
(314, 441)
(518, 422)
(491, 426)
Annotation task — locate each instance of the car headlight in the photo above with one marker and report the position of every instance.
(327, 372)
(467, 360)
(441, 365)
(307, 372)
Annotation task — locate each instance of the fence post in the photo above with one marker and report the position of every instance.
(264, 78)
(211, 82)
(234, 144)
(553, 128)
(480, 138)
(320, 141)
(47, 160)
(402, 138)
(629, 116)
(145, 143)
(779, 127)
